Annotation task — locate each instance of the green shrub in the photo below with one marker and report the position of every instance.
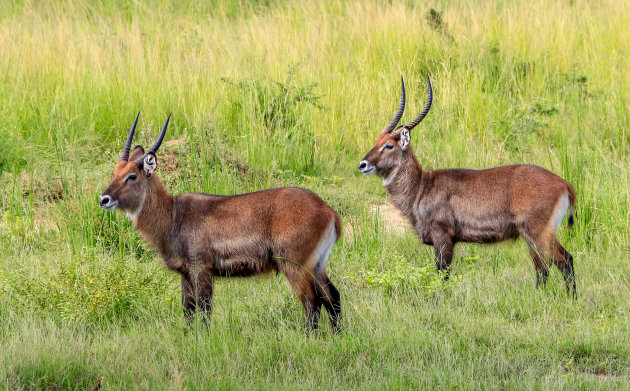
(402, 276)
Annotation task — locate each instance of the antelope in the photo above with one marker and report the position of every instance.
(200, 236)
(480, 206)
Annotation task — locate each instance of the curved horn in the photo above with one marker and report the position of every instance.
(392, 125)
(419, 118)
(157, 144)
(124, 156)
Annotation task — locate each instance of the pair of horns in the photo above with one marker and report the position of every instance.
(125, 152)
(392, 125)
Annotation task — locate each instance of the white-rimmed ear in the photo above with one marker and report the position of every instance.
(404, 139)
(149, 164)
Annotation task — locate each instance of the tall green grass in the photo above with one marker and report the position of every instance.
(270, 93)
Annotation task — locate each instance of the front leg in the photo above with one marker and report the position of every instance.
(443, 247)
(197, 294)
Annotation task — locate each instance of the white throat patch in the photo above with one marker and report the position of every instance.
(388, 180)
(133, 216)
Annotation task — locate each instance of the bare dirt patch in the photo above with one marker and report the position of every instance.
(45, 224)
(393, 221)
(43, 190)
(169, 155)
(390, 217)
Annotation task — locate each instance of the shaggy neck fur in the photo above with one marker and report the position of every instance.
(155, 215)
(404, 184)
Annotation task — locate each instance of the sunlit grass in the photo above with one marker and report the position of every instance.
(269, 93)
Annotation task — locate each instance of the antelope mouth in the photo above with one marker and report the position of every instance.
(110, 206)
(366, 167)
(368, 171)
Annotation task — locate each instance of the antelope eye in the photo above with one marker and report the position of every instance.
(388, 146)
(131, 177)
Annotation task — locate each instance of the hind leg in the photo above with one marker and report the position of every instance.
(303, 286)
(545, 245)
(330, 298)
(564, 261)
(542, 272)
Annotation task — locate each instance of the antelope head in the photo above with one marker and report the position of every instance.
(392, 145)
(132, 175)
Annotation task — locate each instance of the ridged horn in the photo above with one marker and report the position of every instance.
(419, 118)
(401, 109)
(124, 156)
(157, 144)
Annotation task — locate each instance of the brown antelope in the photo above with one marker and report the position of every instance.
(288, 230)
(481, 206)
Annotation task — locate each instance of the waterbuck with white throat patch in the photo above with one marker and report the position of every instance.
(480, 206)
(288, 230)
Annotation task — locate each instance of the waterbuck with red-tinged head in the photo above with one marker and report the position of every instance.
(481, 206)
(288, 230)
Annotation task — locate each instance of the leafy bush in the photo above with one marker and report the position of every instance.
(404, 277)
(277, 103)
(85, 290)
(278, 113)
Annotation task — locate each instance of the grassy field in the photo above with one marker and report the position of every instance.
(275, 93)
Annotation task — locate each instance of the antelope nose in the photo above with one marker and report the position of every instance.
(104, 201)
(363, 165)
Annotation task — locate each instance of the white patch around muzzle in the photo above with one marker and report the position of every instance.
(366, 168)
(106, 202)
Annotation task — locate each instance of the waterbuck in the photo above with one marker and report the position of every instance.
(288, 230)
(481, 206)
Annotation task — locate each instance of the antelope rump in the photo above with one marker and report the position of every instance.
(200, 236)
(481, 206)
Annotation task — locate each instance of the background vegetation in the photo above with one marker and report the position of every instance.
(272, 93)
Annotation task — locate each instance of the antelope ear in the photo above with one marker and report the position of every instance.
(404, 139)
(136, 153)
(150, 164)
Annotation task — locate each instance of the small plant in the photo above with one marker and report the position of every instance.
(434, 18)
(405, 277)
(521, 125)
(277, 103)
(279, 114)
(437, 23)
